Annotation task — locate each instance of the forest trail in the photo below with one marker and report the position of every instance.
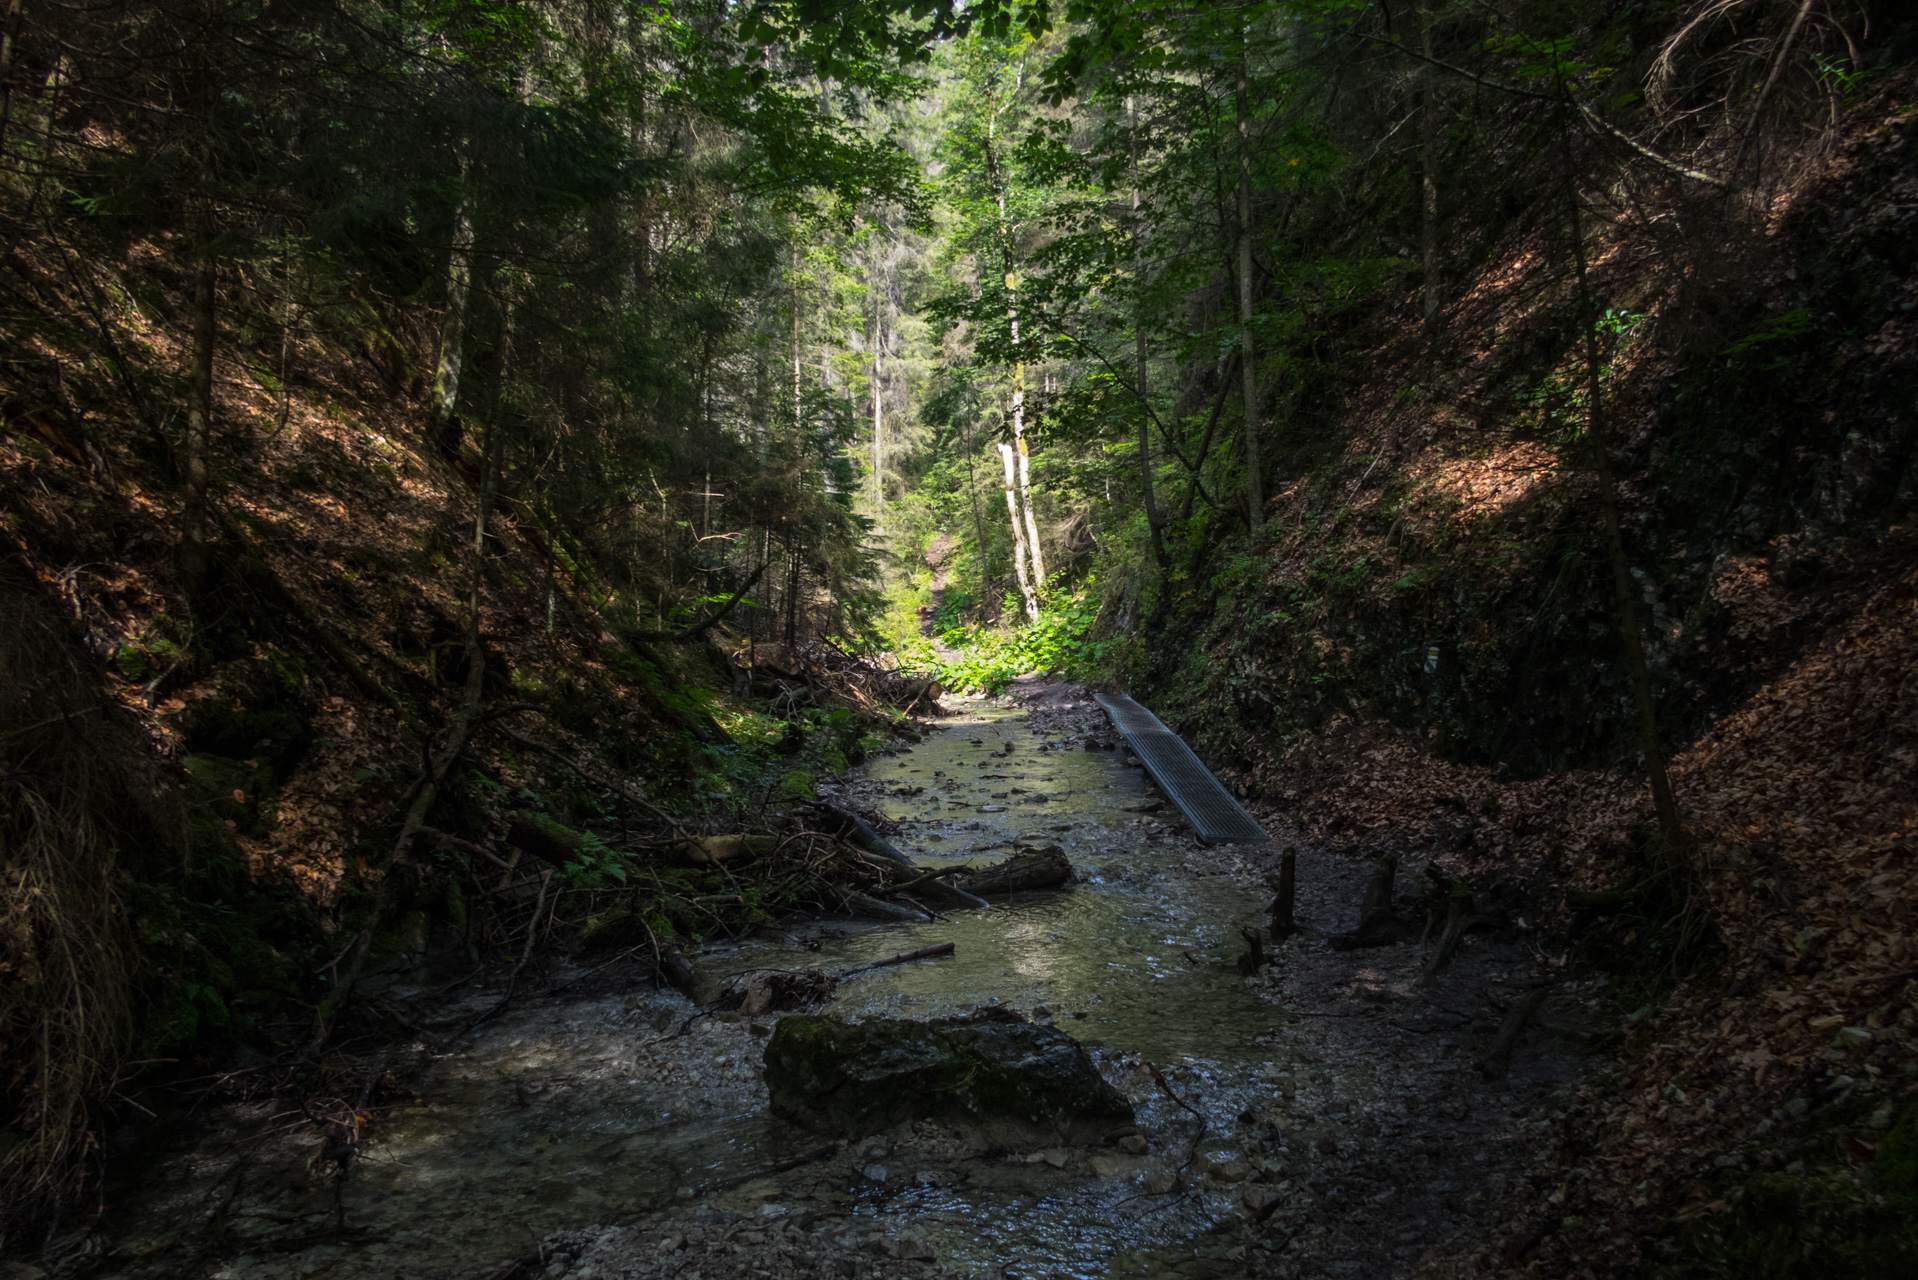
(938, 558)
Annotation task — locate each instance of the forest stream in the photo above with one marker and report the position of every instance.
(599, 1132)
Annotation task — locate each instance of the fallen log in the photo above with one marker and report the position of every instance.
(924, 953)
(856, 831)
(1045, 868)
(880, 909)
(708, 851)
(933, 881)
(544, 837)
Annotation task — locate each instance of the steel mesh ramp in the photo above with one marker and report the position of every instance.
(1215, 817)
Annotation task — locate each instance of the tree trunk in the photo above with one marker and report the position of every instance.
(1017, 477)
(792, 599)
(1598, 442)
(199, 412)
(1248, 362)
(878, 416)
(798, 418)
(1018, 531)
(1428, 176)
(443, 425)
(453, 744)
(1025, 500)
(1154, 522)
(972, 495)
(8, 39)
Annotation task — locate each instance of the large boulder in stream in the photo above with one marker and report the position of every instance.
(1007, 1080)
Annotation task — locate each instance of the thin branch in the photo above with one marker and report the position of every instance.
(1590, 117)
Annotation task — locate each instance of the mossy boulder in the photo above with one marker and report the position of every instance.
(1007, 1080)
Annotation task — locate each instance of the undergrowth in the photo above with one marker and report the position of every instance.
(1059, 643)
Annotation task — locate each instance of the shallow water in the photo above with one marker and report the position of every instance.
(563, 1115)
(1135, 946)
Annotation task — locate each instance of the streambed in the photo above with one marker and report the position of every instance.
(605, 1135)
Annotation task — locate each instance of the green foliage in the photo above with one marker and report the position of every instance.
(1824, 1223)
(1784, 330)
(1059, 642)
(596, 865)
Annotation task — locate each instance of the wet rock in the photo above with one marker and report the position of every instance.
(911, 1248)
(1160, 1183)
(1135, 1145)
(1009, 1081)
(1223, 1166)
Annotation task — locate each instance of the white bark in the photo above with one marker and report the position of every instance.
(1006, 455)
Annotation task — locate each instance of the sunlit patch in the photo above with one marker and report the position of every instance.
(1505, 477)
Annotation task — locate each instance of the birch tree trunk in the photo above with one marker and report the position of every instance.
(878, 414)
(1025, 500)
(1025, 529)
(1248, 363)
(1007, 455)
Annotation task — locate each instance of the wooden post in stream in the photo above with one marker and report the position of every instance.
(1281, 908)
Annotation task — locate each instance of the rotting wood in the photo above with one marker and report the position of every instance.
(880, 909)
(1460, 915)
(1379, 922)
(680, 974)
(1254, 958)
(1286, 896)
(544, 837)
(1498, 1059)
(924, 953)
(858, 832)
(1378, 893)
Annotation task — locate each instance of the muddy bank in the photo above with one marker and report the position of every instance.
(1322, 1117)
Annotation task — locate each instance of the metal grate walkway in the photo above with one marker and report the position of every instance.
(1215, 816)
